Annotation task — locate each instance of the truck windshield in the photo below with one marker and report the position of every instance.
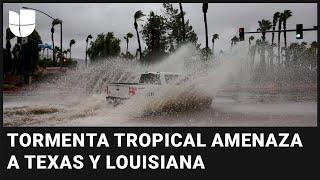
(150, 78)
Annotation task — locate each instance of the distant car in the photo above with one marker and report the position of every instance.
(152, 85)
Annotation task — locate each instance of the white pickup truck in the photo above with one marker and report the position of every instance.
(151, 84)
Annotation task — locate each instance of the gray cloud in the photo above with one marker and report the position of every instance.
(82, 19)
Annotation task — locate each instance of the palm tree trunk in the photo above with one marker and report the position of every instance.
(61, 62)
(183, 26)
(263, 53)
(127, 45)
(213, 47)
(272, 56)
(279, 33)
(285, 41)
(86, 53)
(272, 42)
(139, 43)
(53, 51)
(206, 28)
(285, 33)
(273, 28)
(70, 52)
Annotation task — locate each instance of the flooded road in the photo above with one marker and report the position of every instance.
(95, 111)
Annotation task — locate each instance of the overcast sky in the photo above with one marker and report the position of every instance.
(79, 20)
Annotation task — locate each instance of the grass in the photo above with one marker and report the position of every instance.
(9, 87)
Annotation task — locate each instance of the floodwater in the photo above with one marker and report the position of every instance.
(78, 99)
(224, 111)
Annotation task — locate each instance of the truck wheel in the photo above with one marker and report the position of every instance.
(110, 101)
(116, 102)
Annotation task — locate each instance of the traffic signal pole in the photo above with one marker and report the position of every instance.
(289, 30)
(299, 31)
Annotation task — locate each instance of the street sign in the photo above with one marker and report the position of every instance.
(45, 46)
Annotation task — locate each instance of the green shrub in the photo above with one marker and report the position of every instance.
(37, 75)
(70, 63)
(9, 87)
(46, 63)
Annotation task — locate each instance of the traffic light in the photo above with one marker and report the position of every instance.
(241, 34)
(299, 31)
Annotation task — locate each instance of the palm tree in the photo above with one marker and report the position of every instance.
(127, 37)
(137, 16)
(276, 17)
(58, 54)
(286, 15)
(183, 26)
(251, 49)
(264, 25)
(66, 52)
(215, 36)
(280, 19)
(87, 40)
(54, 22)
(72, 42)
(251, 38)
(205, 10)
(57, 49)
(234, 40)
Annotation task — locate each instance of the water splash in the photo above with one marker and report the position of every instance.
(79, 94)
(206, 79)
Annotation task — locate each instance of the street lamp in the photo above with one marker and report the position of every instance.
(54, 22)
(24, 7)
(87, 40)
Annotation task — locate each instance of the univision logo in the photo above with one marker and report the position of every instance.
(22, 25)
